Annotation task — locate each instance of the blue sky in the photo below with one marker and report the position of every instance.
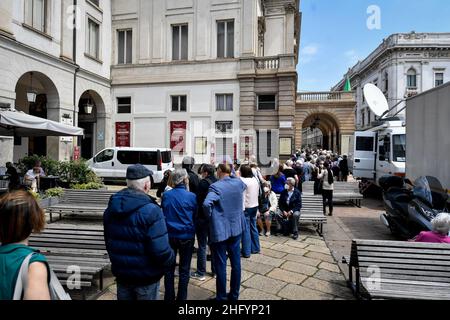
(335, 34)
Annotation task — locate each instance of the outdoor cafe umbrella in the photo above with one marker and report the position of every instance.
(16, 123)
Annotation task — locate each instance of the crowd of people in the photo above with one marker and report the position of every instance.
(226, 208)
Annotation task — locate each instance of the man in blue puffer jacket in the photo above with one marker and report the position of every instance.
(136, 238)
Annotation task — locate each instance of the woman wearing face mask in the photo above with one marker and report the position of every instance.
(326, 176)
(267, 209)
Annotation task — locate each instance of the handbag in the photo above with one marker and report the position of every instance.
(57, 291)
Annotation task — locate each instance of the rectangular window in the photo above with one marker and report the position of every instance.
(124, 105)
(93, 39)
(148, 158)
(224, 127)
(36, 14)
(224, 102)
(179, 103)
(125, 46)
(266, 102)
(364, 143)
(438, 79)
(128, 157)
(225, 39)
(412, 81)
(180, 42)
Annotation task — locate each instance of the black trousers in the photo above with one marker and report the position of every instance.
(327, 196)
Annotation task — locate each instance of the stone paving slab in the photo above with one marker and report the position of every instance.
(302, 269)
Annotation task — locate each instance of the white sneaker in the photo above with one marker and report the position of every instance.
(268, 234)
(197, 276)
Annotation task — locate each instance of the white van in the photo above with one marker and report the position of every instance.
(112, 163)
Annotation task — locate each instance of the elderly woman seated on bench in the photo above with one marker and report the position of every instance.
(441, 229)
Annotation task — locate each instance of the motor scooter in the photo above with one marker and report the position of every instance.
(410, 207)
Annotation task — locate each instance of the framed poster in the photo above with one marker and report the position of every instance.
(123, 134)
(178, 136)
(201, 144)
(285, 146)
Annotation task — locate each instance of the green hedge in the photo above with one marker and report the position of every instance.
(70, 172)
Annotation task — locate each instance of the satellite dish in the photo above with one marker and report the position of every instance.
(375, 99)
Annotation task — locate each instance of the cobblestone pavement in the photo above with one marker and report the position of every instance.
(286, 269)
(302, 269)
(349, 223)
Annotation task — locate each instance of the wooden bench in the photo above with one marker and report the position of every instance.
(343, 191)
(90, 202)
(399, 270)
(312, 212)
(68, 246)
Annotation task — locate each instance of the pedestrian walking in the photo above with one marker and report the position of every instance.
(179, 207)
(223, 205)
(327, 180)
(20, 215)
(250, 236)
(267, 209)
(136, 238)
(202, 222)
(288, 214)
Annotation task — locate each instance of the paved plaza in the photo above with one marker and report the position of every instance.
(309, 268)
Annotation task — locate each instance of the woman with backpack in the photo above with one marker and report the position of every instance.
(20, 215)
(326, 177)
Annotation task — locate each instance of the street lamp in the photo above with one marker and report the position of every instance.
(31, 94)
(88, 106)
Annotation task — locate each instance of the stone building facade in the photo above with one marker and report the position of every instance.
(196, 70)
(42, 52)
(404, 65)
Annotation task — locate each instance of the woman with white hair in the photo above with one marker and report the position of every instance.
(441, 228)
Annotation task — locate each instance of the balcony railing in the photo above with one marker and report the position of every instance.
(325, 96)
(267, 63)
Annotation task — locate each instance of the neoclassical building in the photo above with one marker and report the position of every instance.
(404, 65)
(215, 79)
(65, 63)
(206, 78)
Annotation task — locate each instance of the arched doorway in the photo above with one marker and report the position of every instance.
(36, 95)
(321, 130)
(91, 113)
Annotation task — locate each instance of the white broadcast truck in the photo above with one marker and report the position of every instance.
(380, 150)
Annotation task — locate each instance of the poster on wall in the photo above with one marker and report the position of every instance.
(246, 146)
(285, 146)
(178, 136)
(123, 134)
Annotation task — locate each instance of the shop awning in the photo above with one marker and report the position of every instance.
(20, 124)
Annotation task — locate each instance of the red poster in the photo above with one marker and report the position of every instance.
(76, 153)
(178, 136)
(123, 134)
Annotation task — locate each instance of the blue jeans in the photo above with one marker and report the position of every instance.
(202, 231)
(250, 236)
(219, 257)
(130, 292)
(185, 247)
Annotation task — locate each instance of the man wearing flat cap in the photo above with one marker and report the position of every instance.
(136, 238)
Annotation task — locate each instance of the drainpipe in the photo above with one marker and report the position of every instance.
(74, 57)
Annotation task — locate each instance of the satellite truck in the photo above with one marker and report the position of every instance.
(380, 150)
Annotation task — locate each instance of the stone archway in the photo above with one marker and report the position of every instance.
(36, 94)
(93, 123)
(331, 114)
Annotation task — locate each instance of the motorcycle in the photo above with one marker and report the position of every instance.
(411, 207)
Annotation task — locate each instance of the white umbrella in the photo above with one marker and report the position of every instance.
(24, 125)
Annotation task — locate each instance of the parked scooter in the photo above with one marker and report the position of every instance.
(409, 210)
